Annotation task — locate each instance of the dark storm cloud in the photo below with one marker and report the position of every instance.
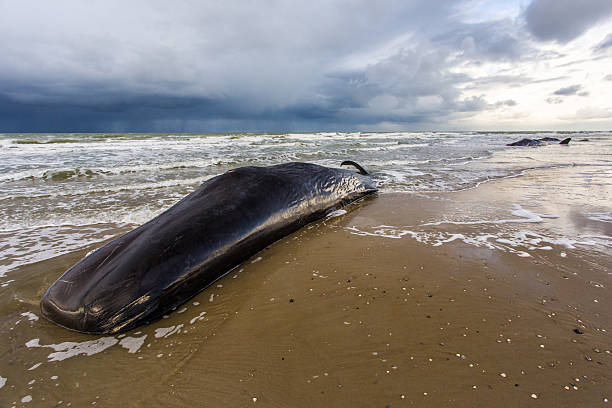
(211, 66)
(202, 64)
(565, 20)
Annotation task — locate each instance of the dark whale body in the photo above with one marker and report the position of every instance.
(539, 142)
(156, 267)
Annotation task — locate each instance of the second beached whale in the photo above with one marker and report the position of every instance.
(151, 270)
(539, 142)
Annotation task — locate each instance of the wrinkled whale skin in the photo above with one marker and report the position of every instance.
(539, 142)
(156, 267)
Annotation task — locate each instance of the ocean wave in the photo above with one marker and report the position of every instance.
(59, 174)
(117, 217)
(446, 160)
(51, 141)
(113, 188)
(56, 174)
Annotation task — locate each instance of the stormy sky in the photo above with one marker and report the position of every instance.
(210, 66)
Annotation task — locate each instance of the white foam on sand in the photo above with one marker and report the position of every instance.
(198, 317)
(452, 238)
(519, 242)
(167, 331)
(389, 231)
(31, 316)
(70, 349)
(132, 344)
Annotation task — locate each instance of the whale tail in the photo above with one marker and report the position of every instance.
(565, 141)
(356, 165)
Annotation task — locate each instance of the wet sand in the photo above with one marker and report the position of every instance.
(367, 317)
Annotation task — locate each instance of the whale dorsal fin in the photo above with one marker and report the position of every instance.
(565, 141)
(356, 165)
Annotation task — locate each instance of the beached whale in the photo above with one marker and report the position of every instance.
(156, 267)
(539, 142)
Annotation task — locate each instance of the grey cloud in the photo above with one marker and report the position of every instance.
(605, 45)
(206, 66)
(568, 90)
(489, 41)
(501, 104)
(410, 86)
(473, 104)
(560, 93)
(510, 81)
(565, 20)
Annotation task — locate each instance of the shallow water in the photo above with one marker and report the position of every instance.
(490, 232)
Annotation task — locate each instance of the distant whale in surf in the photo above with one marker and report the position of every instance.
(156, 267)
(539, 142)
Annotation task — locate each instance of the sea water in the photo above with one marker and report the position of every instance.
(63, 192)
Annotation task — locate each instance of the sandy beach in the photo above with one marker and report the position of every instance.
(335, 315)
